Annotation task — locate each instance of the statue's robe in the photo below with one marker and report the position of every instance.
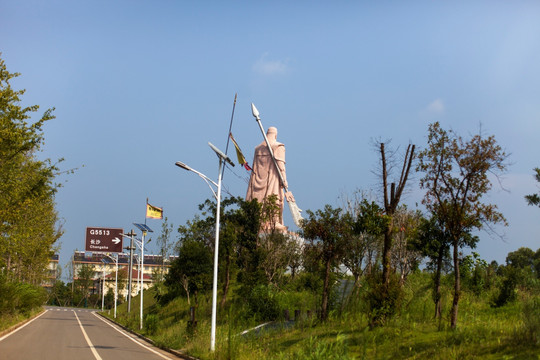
(264, 180)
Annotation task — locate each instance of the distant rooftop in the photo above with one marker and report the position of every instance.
(123, 258)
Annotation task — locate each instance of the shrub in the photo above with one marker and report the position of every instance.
(382, 301)
(508, 292)
(151, 322)
(18, 297)
(263, 303)
(531, 320)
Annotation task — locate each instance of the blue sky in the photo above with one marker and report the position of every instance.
(139, 85)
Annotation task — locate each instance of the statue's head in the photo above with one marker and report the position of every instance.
(271, 131)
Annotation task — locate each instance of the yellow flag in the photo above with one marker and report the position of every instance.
(241, 158)
(153, 212)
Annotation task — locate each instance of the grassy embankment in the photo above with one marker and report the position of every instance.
(484, 332)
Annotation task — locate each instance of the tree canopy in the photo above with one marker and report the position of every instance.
(456, 179)
(28, 219)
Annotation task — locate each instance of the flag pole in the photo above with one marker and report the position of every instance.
(230, 129)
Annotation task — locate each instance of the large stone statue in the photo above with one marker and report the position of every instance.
(265, 180)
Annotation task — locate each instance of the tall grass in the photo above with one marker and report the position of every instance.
(483, 331)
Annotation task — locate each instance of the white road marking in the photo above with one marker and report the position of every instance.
(94, 351)
(19, 328)
(133, 339)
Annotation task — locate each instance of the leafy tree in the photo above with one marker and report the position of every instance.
(370, 224)
(164, 245)
(85, 281)
(232, 225)
(27, 215)
(534, 199)
(522, 258)
(59, 294)
(455, 179)
(249, 256)
(432, 241)
(473, 272)
(328, 232)
(194, 263)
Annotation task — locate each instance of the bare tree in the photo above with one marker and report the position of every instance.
(392, 194)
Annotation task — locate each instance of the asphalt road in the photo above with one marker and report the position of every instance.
(67, 334)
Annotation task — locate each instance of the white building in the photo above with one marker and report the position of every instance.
(105, 268)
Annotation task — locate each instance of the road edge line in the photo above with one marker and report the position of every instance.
(176, 353)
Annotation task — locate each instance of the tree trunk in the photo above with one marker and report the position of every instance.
(324, 306)
(227, 281)
(387, 246)
(437, 296)
(457, 288)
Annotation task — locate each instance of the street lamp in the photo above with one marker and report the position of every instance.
(130, 235)
(103, 288)
(222, 158)
(115, 281)
(144, 229)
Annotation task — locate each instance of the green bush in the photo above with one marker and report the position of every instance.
(382, 301)
(151, 323)
(18, 297)
(263, 303)
(508, 291)
(531, 320)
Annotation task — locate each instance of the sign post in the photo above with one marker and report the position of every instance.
(106, 240)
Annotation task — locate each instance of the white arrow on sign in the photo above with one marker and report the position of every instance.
(116, 240)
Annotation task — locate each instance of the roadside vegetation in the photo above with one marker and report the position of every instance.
(29, 223)
(499, 317)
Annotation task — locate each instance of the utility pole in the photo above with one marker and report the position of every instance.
(130, 248)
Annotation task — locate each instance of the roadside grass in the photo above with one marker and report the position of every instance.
(483, 332)
(9, 320)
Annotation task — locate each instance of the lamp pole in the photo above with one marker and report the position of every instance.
(116, 286)
(130, 235)
(115, 282)
(142, 278)
(103, 290)
(222, 158)
(144, 229)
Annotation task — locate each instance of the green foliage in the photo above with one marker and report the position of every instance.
(263, 303)
(328, 232)
(369, 225)
(28, 219)
(508, 290)
(456, 179)
(522, 258)
(19, 297)
(194, 263)
(534, 199)
(531, 320)
(473, 273)
(382, 300)
(151, 323)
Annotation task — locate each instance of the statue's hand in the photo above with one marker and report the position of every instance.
(289, 196)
